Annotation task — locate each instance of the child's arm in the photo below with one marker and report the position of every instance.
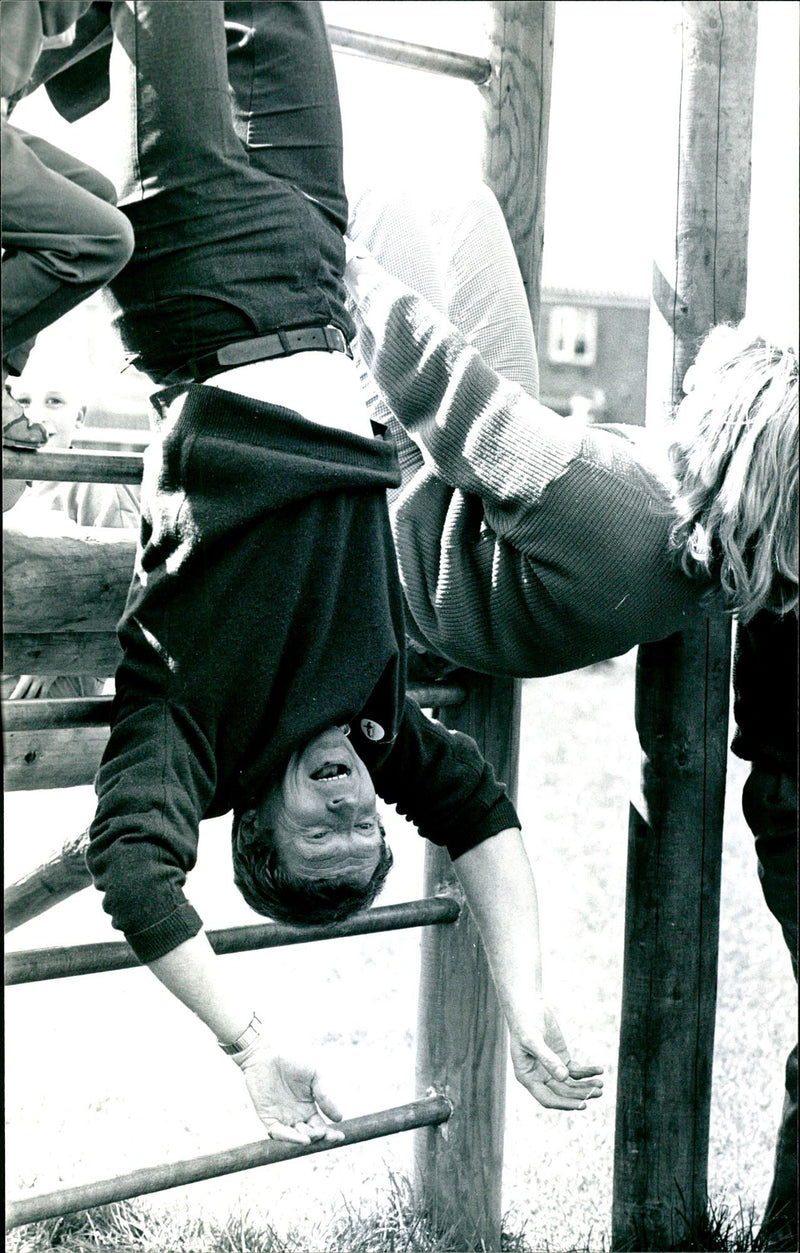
(498, 883)
(287, 1094)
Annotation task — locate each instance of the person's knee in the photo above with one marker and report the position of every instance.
(97, 184)
(106, 246)
(769, 803)
(121, 244)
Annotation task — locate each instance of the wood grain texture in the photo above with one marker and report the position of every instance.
(65, 582)
(461, 1037)
(516, 121)
(675, 832)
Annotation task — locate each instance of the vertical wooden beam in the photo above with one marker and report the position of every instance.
(675, 832)
(516, 120)
(461, 1047)
(461, 1039)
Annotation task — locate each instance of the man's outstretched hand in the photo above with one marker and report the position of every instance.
(542, 1064)
(289, 1097)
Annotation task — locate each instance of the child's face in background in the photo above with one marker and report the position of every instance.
(52, 402)
(323, 812)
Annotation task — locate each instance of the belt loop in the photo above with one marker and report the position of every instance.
(284, 338)
(161, 400)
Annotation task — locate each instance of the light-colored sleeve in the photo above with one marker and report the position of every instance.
(486, 297)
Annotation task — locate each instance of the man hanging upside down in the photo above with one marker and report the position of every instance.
(264, 642)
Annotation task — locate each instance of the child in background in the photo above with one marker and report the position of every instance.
(53, 392)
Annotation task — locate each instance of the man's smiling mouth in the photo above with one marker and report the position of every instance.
(330, 770)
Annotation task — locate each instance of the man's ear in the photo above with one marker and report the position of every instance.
(81, 417)
(248, 830)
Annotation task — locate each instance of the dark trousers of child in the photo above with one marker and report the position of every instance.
(769, 802)
(63, 238)
(765, 707)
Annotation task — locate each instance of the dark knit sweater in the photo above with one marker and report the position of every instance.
(265, 608)
(528, 544)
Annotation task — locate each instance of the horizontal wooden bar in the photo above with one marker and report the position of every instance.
(34, 965)
(51, 757)
(437, 695)
(59, 743)
(429, 1112)
(84, 711)
(65, 466)
(61, 652)
(47, 885)
(75, 582)
(414, 56)
(59, 711)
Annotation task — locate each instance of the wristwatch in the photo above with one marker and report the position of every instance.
(250, 1034)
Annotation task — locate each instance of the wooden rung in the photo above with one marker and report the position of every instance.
(414, 56)
(93, 711)
(429, 1112)
(35, 965)
(62, 652)
(59, 743)
(66, 466)
(52, 757)
(56, 713)
(47, 885)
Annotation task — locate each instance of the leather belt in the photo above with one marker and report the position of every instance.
(281, 343)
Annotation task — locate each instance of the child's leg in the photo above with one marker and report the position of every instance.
(387, 223)
(769, 803)
(486, 295)
(61, 240)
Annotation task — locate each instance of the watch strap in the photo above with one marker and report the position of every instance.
(249, 1036)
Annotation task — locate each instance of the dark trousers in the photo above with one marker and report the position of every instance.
(63, 238)
(235, 237)
(770, 806)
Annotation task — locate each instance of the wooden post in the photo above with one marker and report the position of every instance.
(675, 833)
(516, 121)
(461, 1047)
(461, 1040)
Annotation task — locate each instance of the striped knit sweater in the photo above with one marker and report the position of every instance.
(527, 544)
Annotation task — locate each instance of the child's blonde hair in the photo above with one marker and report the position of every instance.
(734, 454)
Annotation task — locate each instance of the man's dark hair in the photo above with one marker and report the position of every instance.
(270, 890)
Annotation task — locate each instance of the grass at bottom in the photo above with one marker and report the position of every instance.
(390, 1224)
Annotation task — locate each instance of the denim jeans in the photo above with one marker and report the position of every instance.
(237, 234)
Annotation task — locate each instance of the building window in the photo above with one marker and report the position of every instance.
(572, 335)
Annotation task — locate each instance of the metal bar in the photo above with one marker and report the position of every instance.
(33, 965)
(94, 711)
(413, 56)
(430, 1112)
(64, 466)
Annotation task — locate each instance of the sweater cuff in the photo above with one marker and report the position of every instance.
(162, 937)
(500, 817)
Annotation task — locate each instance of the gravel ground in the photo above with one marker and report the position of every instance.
(106, 1074)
